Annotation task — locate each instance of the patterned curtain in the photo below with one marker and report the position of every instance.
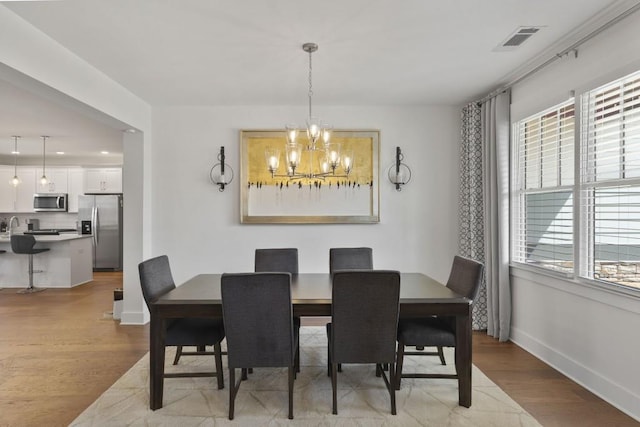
(471, 201)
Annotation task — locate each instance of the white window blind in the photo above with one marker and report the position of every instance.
(610, 182)
(542, 189)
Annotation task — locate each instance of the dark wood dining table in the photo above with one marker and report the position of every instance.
(420, 296)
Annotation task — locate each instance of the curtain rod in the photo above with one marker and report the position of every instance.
(573, 48)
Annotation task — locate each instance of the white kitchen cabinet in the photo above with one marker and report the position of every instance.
(17, 199)
(7, 191)
(57, 181)
(26, 189)
(105, 180)
(76, 188)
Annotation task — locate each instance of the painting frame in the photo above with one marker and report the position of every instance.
(350, 199)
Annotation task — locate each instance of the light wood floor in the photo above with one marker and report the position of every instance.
(60, 349)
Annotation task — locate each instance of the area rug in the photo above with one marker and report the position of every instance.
(262, 400)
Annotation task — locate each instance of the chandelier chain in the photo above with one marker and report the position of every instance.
(310, 83)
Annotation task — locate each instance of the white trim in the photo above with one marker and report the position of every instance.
(615, 394)
(613, 295)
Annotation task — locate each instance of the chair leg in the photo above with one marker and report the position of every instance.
(441, 355)
(30, 289)
(291, 376)
(233, 389)
(30, 271)
(178, 354)
(400, 358)
(329, 359)
(392, 389)
(334, 386)
(296, 362)
(243, 375)
(217, 348)
(378, 370)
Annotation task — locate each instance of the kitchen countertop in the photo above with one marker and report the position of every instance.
(62, 237)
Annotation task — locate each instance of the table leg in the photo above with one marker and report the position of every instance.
(463, 358)
(156, 361)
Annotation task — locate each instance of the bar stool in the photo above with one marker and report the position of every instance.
(24, 244)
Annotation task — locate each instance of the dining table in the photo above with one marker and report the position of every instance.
(200, 296)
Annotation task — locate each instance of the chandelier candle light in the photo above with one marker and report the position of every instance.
(329, 157)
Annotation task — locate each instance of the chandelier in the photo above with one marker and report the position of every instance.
(324, 158)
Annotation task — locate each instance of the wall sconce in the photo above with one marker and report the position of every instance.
(399, 173)
(219, 173)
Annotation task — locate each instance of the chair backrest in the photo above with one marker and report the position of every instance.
(22, 243)
(350, 259)
(364, 312)
(155, 278)
(276, 260)
(258, 319)
(465, 277)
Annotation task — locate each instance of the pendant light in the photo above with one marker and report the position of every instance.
(43, 178)
(15, 181)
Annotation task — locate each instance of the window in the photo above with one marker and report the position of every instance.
(607, 180)
(610, 182)
(542, 189)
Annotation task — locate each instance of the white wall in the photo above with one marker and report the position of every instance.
(70, 81)
(588, 333)
(170, 206)
(199, 227)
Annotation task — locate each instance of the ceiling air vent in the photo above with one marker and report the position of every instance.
(518, 37)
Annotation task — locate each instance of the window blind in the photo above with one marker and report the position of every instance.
(610, 182)
(543, 189)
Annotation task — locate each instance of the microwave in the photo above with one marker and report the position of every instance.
(50, 202)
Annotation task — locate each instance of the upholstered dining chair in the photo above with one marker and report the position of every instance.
(156, 280)
(350, 259)
(258, 317)
(276, 259)
(364, 322)
(438, 331)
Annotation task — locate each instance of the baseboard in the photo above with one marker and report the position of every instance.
(133, 318)
(616, 395)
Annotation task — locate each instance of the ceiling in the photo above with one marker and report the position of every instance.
(248, 52)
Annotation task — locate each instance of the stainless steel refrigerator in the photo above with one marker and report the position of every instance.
(101, 216)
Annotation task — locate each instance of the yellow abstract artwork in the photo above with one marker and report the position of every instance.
(335, 183)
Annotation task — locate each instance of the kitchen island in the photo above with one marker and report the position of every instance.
(68, 263)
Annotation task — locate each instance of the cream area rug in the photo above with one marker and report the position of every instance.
(262, 400)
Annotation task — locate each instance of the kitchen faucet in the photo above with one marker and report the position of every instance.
(10, 225)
